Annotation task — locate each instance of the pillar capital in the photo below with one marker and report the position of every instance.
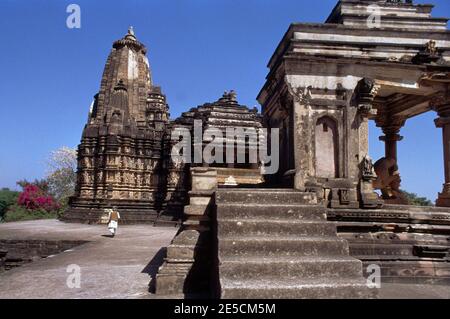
(440, 122)
(441, 104)
(391, 137)
(390, 125)
(365, 92)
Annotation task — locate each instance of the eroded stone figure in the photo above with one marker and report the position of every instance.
(389, 181)
(368, 168)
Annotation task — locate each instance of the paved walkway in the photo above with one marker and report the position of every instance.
(119, 267)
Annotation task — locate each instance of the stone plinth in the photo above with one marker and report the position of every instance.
(409, 243)
(188, 263)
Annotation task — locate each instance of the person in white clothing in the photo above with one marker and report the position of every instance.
(113, 220)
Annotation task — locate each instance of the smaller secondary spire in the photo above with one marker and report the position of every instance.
(130, 30)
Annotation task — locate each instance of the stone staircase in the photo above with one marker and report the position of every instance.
(277, 243)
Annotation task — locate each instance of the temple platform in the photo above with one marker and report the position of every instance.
(119, 267)
(411, 244)
(111, 268)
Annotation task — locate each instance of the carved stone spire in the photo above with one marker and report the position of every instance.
(123, 154)
(128, 65)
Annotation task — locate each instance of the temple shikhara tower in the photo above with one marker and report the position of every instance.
(123, 155)
(311, 229)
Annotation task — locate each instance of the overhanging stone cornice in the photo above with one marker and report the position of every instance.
(341, 30)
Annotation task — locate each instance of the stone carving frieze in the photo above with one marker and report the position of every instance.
(300, 94)
(433, 78)
(364, 95)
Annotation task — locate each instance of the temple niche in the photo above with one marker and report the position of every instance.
(326, 148)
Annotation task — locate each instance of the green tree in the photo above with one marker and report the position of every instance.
(7, 199)
(3, 207)
(416, 200)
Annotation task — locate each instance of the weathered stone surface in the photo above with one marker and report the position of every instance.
(111, 268)
(326, 81)
(287, 251)
(223, 115)
(277, 288)
(188, 266)
(271, 211)
(401, 14)
(256, 227)
(266, 196)
(15, 252)
(409, 243)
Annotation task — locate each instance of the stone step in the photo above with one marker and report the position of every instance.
(296, 268)
(233, 227)
(265, 196)
(276, 288)
(265, 246)
(273, 212)
(277, 243)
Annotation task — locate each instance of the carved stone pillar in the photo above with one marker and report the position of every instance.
(442, 106)
(365, 93)
(302, 136)
(391, 130)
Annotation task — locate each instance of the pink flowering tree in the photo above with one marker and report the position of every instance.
(34, 198)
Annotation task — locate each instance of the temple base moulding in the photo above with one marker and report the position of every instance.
(443, 201)
(444, 197)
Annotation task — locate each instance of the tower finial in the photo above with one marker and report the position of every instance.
(130, 41)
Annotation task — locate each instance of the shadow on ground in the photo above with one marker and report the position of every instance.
(152, 268)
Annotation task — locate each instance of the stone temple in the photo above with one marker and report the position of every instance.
(314, 227)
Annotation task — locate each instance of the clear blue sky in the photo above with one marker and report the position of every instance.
(197, 49)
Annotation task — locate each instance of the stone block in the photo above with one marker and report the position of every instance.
(203, 179)
(200, 201)
(196, 210)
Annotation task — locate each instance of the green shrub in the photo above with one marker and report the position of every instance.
(3, 208)
(7, 199)
(417, 200)
(8, 196)
(16, 213)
